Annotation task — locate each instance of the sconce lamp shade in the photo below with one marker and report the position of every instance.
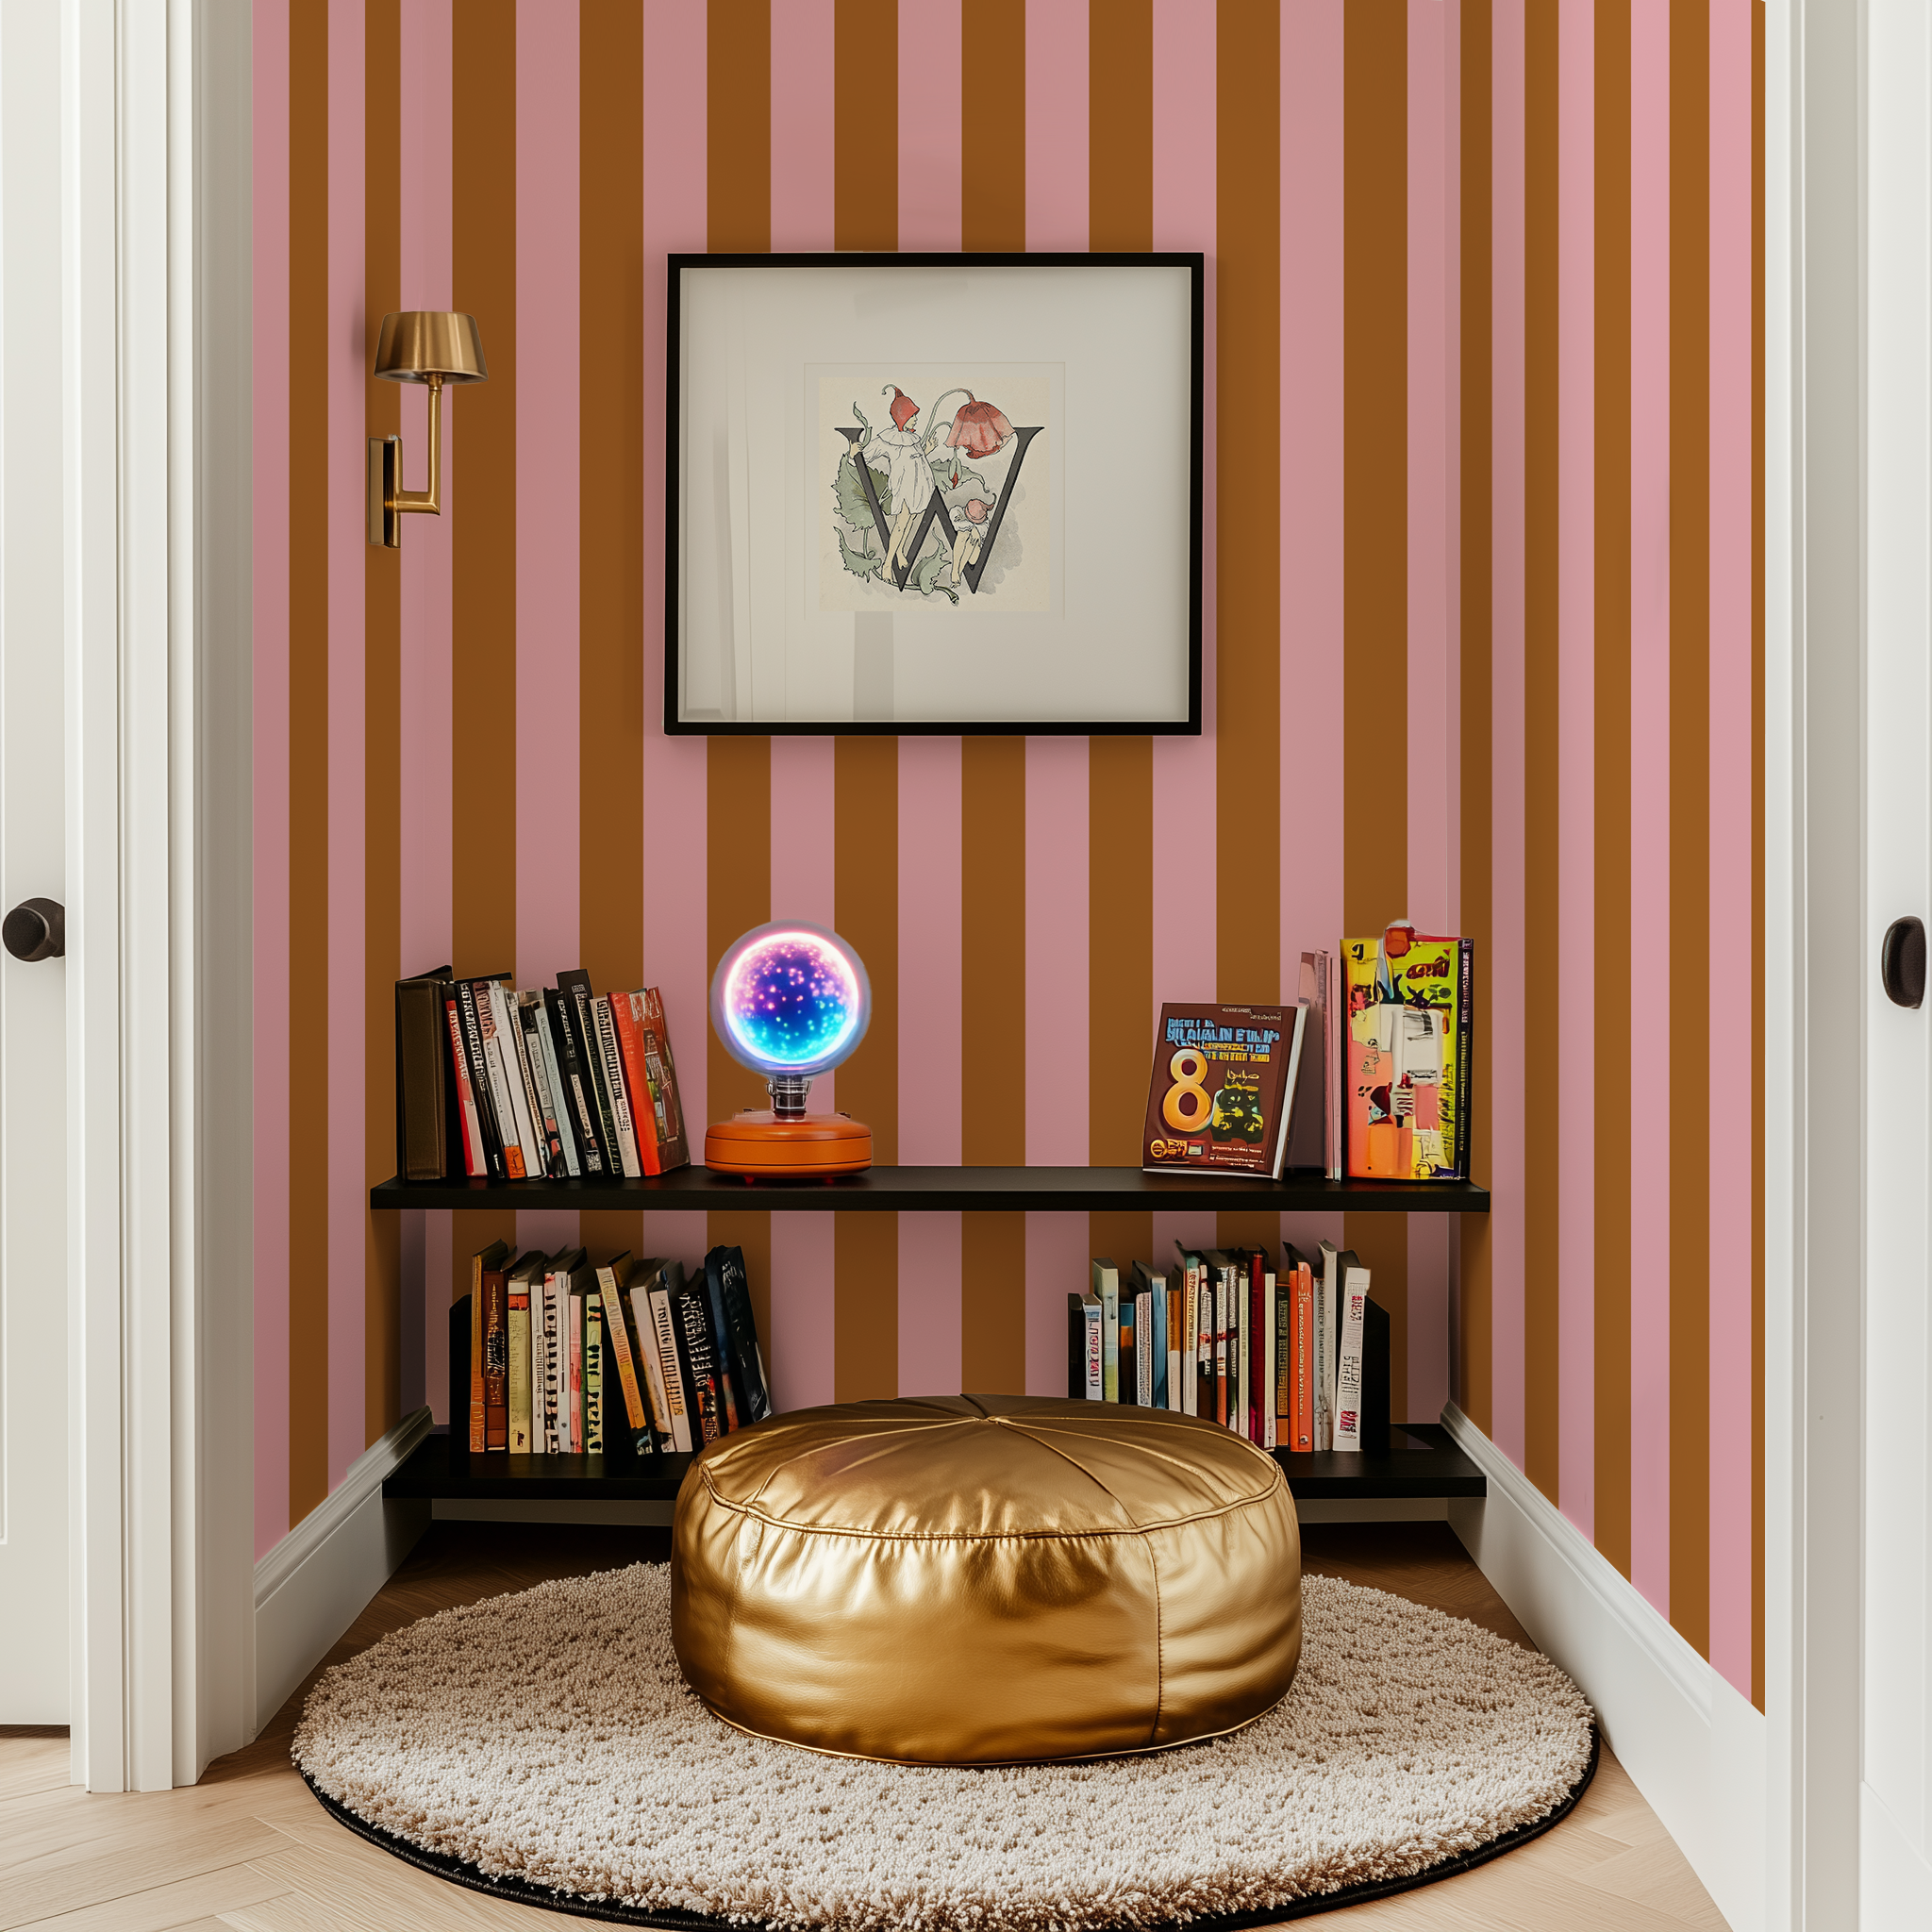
(422, 343)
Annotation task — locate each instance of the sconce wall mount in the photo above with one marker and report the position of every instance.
(434, 347)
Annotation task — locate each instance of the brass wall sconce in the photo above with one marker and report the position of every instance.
(430, 346)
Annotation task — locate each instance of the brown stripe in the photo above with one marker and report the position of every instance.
(1124, 1238)
(382, 670)
(993, 1303)
(309, 440)
(1247, 700)
(737, 125)
(1542, 1341)
(865, 1318)
(484, 568)
(1374, 542)
(992, 906)
(611, 698)
(865, 903)
(1120, 121)
(1757, 853)
(1690, 1118)
(1474, 1327)
(1120, 967)
(865, 146)
(1612, 799)
(866, 911)
(993, 84)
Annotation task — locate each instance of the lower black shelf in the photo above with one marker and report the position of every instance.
(1420, 1463)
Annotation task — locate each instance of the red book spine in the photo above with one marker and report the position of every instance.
(473, 1162)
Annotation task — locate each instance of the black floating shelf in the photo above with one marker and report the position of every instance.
(926, 1190)
(1421, 1462)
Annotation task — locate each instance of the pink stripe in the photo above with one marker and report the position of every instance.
(1194, 1231)
(803, 1310)
(1055, 950)
(804, 87)
(1731, 1229)
(1506, 1069)
(425, 194)
(348, 545)
(931, 950)
(1183, 216)
(1432, 693)
(269, 432)
(1058, 1260)
(804, 823)
(930, 64)
(1577, 750)
(1311, 525)
(929, 1334)
(1056, 124)
(547, 488)
(673, 803)
(1650, 795)
(426, 780)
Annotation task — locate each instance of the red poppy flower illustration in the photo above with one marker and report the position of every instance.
(979, 428)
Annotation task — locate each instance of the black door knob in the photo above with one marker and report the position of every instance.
(37, 929)
(1902, 962)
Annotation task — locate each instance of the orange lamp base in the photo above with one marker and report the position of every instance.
(760, 1146)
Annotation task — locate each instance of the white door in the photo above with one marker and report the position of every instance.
(34, 1349)
(1895, 1790)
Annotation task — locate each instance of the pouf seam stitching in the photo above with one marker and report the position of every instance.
(981, 1536)
(778, 1469)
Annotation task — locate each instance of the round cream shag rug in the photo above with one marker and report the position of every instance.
(544, 1747)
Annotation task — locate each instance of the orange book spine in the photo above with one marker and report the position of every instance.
(1304, 1310)
(643, 1118)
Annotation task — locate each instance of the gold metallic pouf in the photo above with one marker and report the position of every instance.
(985, 1579)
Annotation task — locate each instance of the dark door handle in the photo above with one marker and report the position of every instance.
(37, 929)
(1902, 962)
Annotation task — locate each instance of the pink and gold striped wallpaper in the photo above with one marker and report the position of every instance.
(1483, 647)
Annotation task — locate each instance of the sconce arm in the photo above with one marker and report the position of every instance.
(430, 500)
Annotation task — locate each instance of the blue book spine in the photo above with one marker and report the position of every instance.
(1159, 1294)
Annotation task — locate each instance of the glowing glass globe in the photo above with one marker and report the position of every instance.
(789, 998)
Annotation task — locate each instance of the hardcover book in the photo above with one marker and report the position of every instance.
(655, 1116)
(730, 1294)
(492, 1356)
(430, 1141)
(1407, 1041)
(1221, 1096)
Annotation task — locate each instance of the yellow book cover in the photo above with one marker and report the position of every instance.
(1407, 1055)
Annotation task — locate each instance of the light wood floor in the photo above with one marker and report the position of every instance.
(249, 1849)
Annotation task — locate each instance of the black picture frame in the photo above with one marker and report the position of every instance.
(677, 264)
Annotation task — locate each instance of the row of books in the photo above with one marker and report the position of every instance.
(1367, 1073)
(557, 1341)
(548, 1081)
(1290, 1353)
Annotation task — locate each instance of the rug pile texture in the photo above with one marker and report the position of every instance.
(548, 1737)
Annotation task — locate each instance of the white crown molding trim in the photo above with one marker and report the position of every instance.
(317, 1580)
(1693, 1745)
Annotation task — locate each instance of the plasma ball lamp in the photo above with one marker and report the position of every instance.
(790, 1000)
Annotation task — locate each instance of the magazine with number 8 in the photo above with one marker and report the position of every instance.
(1223, 1089)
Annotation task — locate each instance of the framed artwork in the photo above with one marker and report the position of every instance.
(936, 493)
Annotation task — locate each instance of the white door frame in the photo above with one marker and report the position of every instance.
(1815, 974)
(154, 170)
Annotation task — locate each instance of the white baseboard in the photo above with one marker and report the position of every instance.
(315, 1582)
(1693, 1745)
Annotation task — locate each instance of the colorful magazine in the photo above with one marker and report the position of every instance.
(1408, 1036)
